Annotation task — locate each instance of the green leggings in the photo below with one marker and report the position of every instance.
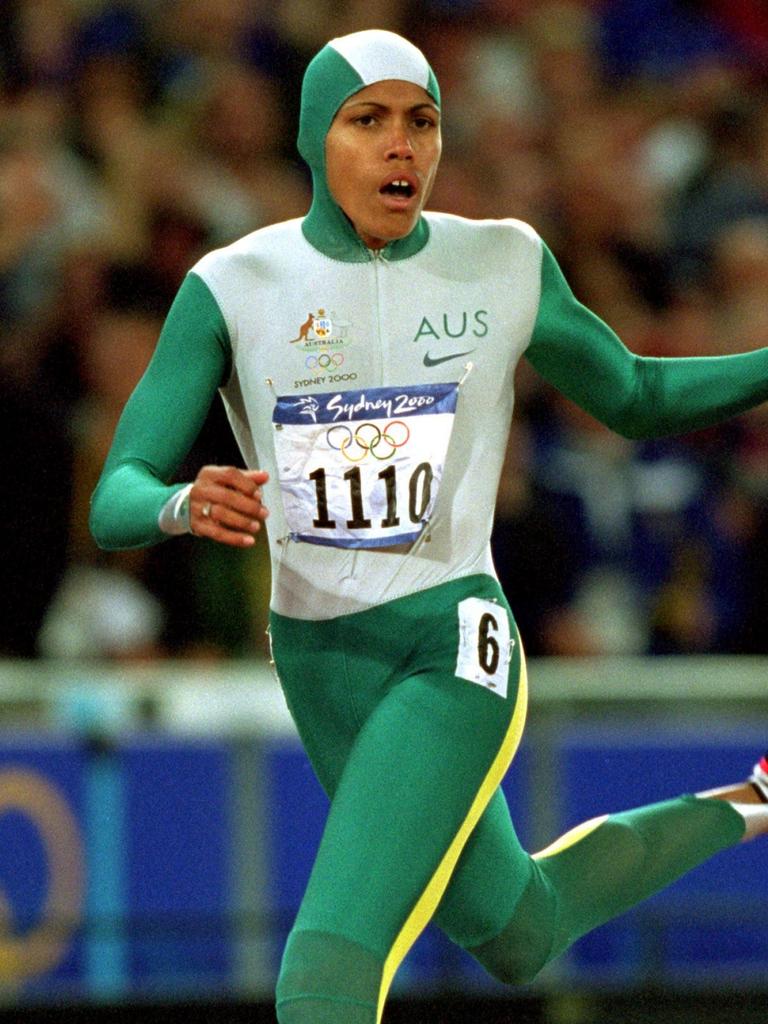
(412, 755)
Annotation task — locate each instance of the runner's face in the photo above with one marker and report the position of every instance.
(387, 132)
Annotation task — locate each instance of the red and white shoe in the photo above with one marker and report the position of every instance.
(759, 778)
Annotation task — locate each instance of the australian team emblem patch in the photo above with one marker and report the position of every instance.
(322, 343)
(319, 327)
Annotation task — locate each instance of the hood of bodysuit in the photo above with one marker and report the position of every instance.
(343, 67)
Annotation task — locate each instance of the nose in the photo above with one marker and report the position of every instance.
(399, 147)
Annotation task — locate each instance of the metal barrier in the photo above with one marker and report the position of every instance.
(158, 822)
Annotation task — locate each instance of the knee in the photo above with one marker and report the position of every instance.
(516, 954)
(321, 971)
(510, 960)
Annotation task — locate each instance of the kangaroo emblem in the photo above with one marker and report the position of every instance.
(304, 329)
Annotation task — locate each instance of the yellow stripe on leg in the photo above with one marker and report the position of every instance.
(427, 903)
(571, 837)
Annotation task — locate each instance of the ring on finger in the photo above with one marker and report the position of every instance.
(205, 511)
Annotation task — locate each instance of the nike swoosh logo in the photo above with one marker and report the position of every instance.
(430, 361)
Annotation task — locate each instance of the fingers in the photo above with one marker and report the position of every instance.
(226, 504)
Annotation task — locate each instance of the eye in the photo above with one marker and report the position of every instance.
(424, 121)
(365, 120)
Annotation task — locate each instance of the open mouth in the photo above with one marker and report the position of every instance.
(400, 188)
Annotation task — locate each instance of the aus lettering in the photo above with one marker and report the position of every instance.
(454, 325)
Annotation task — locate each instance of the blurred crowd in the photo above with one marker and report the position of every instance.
(632, 134)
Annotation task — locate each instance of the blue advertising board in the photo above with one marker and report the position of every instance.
(115, 867)
(159, 866)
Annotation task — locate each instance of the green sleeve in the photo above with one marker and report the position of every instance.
(161, 420)
(637, 396)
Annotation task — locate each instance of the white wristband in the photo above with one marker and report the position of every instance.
(174, 515)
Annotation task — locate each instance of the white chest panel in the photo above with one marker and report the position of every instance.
(350, 491)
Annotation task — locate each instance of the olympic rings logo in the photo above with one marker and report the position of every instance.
(25, 792)
(324, 360)
(368, 439)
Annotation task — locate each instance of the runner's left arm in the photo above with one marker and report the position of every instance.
(161, 421)
(637, 396)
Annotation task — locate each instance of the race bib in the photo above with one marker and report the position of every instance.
(362, 468)
(485, 645)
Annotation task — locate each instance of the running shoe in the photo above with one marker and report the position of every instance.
(759, 778)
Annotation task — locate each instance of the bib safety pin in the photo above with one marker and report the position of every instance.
(469, 367)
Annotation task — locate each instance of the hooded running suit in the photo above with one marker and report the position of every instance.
(377, 390)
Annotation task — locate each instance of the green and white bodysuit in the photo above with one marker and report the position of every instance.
(377, 390)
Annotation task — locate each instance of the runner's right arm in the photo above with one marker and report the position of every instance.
(161, 421)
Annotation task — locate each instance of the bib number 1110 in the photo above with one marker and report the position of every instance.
(419, 497)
